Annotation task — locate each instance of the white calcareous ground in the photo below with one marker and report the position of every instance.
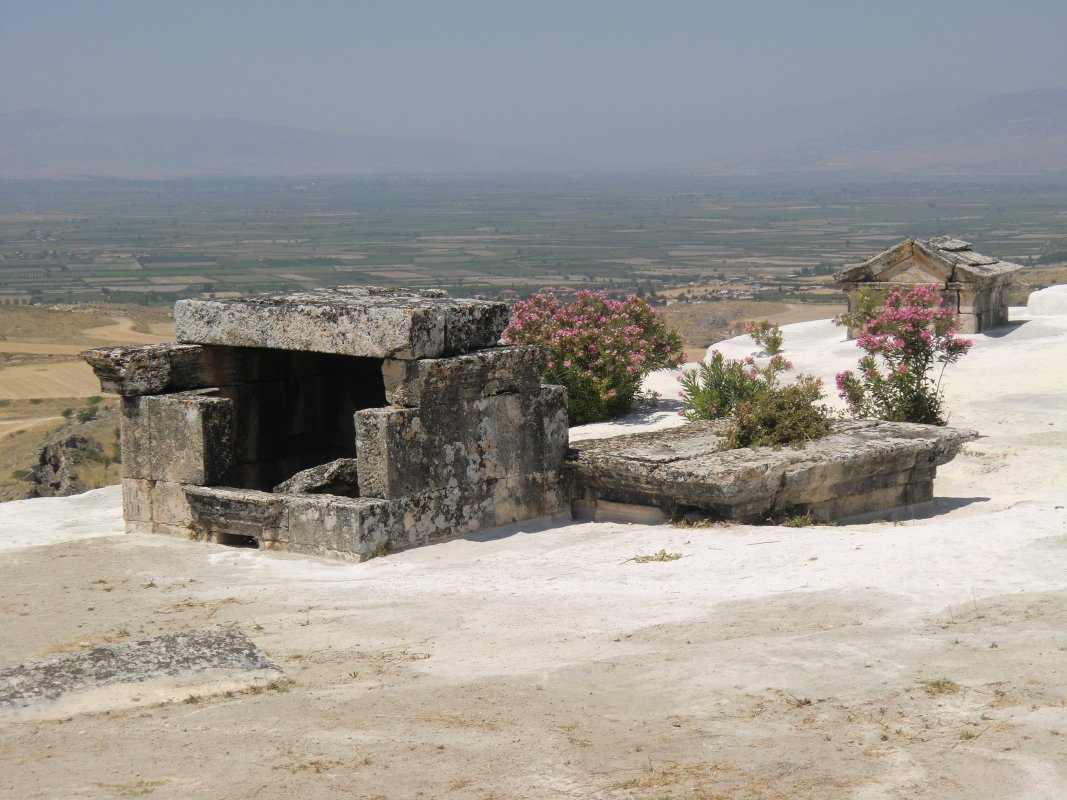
(924, 656)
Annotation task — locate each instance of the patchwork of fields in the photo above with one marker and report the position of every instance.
(665, 237)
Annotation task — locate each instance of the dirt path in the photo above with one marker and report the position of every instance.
(9, 426)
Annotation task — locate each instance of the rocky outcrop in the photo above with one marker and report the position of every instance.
(56, 472)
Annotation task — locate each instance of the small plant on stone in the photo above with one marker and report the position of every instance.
(904, 339)
(767, 334)
(599, 349)
(781, 415)
(718, 386)
(761, 411)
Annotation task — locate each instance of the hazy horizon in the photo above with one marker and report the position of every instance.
(620, 83)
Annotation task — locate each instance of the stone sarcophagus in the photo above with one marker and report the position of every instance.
(973, 285)
(343, 422)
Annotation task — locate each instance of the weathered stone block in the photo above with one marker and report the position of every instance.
(352, 528)
(370, 322)
(169, 506)
(158, 368)
(146, 369)
(382, 436)
(520, 497)
(863, 466)
(184, 438)
(240, 512)
(441, 514)
(137, 500)
(551, 412)
(464, 378)
(402, 452)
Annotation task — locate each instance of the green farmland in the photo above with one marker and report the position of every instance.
(667, 237)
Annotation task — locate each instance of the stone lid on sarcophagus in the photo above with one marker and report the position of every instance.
(348, 320)
(943, 260)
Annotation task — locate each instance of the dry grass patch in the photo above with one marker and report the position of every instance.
(48, 380)
(37, 324)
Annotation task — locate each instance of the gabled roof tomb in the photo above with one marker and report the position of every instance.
(944, 254)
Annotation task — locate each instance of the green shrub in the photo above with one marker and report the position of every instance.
(781, 415)
(767, 334)
(719, 385)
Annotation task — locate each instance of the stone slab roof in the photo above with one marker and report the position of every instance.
(349, 320)
(955, 257)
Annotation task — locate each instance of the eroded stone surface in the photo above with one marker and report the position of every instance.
(404, 451)
(338, 477)
(863, 466)
(186, 437)
(187, 656)
(447, 381)
(148, 369)
(357, 321)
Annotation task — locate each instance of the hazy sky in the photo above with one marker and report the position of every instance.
(579, 76)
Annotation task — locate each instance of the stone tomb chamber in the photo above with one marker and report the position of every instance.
(974, 286)
(341, 422)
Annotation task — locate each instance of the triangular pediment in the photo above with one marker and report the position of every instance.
(916, 268)
(907, 262)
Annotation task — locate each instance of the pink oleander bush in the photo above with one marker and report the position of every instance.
(600, 349)
(904, 337)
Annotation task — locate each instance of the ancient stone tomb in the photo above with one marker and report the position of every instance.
(345, 421)
(972, 285)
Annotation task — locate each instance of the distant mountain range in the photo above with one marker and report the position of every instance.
(1004, 134)
(43, 144)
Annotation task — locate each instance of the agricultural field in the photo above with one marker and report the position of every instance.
(667, 238)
